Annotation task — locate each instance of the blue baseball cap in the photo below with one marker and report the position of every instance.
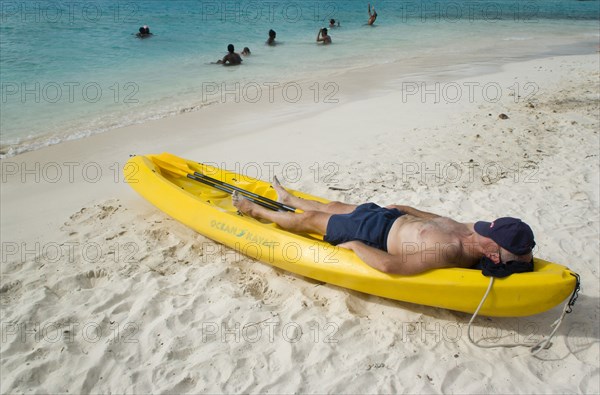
(512, 234)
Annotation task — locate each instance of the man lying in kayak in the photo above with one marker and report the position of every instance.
(400, 239)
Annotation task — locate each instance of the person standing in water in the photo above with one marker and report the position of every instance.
(144, 32)
(323, 37)
(271, 39)
(372, 15)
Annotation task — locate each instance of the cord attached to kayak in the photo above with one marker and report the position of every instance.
(544, 343)
(566, 310)
(489, 288)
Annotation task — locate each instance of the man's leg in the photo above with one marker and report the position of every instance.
(306, 222)
(310, 205)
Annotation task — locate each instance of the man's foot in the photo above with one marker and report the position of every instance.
(241, 203)
(249, 208)
(283, 196)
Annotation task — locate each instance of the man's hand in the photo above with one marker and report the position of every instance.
(413, 211)
(392, 206)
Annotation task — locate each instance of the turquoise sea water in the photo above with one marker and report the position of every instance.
(73, 68)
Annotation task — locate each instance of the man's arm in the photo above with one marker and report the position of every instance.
(414, 212)
(405, 264)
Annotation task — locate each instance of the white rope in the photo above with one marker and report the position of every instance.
(536, 348)
(489, 288)
(556, 324)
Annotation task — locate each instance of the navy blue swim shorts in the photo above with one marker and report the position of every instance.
(368, 223)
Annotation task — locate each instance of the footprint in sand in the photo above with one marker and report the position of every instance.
(356, 307)
(466, 377)
(9, 286)
(10, 291)
(184, 385)
(254, 285)
(582, 341)
(579, 195)
(156, 235)
(78, 215)
(91, 215)
(92, 278)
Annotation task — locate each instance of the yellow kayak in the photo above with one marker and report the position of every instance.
(198, 196)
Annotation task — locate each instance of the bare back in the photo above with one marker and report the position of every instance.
(435, 243)
(232, 59)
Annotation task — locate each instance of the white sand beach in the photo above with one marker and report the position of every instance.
(102, 293)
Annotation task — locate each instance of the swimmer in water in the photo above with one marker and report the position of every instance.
(144, 32)
(231, 58)
(271, 39)
(323, 37)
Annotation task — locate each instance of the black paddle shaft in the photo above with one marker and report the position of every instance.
(254, 195)
(230, 191)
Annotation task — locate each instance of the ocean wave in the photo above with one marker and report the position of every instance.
(18, 146)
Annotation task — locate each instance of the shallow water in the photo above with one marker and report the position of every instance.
(70, 69)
